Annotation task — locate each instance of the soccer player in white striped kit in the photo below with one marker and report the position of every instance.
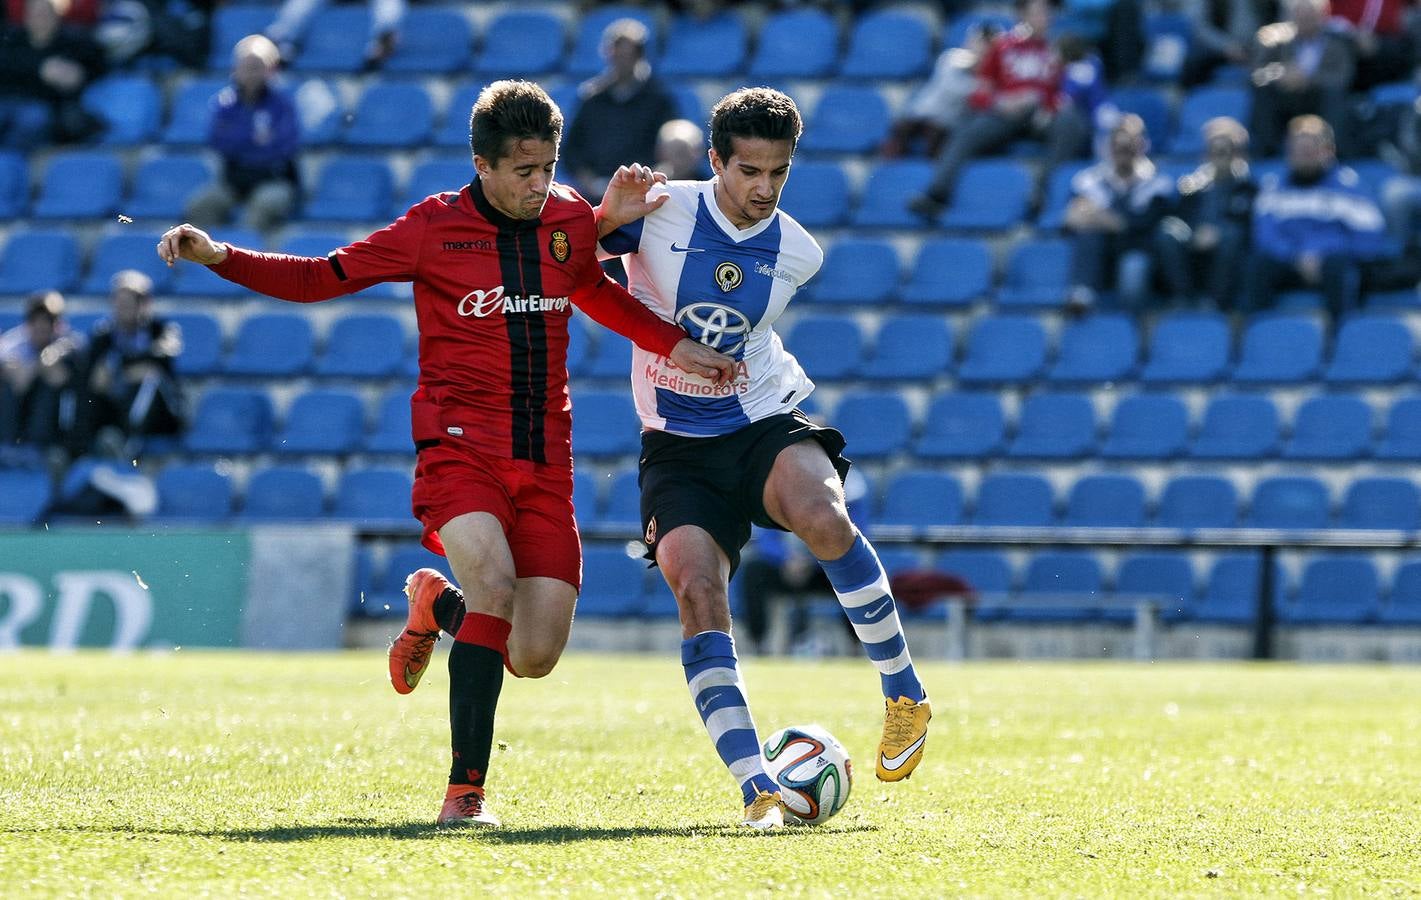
(720, 259)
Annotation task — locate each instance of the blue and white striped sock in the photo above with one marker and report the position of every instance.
(862, 588)
(719, 696)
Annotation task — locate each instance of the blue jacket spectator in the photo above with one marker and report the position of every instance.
(1314, 226)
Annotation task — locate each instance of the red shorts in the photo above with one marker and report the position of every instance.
(532, 501)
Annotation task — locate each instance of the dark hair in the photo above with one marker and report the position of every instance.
(754, 113)
(49, 304)
(510, 111)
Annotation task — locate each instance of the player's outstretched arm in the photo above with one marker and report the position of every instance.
(299, 279)
(190, 243)
(625, 200)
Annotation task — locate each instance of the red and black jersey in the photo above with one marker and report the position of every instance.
(493, 296)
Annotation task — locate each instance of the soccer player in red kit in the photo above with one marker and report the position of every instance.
(496, 267)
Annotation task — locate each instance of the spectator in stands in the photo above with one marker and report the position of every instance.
(1401, 194)
(130, 388)
(940, 103)
(681, 151)
(256, 130)
(295, 16)
(39, 361)
(1018, 95)
(1300, 66)
(1314, 226)
(1208, 231)
(45, 64)
(177, 29)
(1083, 87)
(621, 111)
(1385, 49)
(1219, 33)
(1115, 207)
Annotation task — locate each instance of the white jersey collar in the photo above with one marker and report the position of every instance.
(735, 234)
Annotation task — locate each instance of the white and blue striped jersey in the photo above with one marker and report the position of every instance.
(688, 264)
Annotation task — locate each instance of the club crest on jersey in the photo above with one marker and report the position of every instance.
(728, 276)
(718, 327)
(559, 246)
(651, 531)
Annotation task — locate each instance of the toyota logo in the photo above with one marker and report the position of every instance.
(718, 327)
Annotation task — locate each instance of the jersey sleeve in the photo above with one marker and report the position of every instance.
(390, 254)
(627, 239)
(611, 306)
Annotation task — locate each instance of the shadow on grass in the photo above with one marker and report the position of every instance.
(410, 831)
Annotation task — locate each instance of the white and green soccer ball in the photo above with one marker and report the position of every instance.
(812, 769)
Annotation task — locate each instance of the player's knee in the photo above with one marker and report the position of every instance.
(538, 664)
(828, 532)
(701, 591)
(492, 594)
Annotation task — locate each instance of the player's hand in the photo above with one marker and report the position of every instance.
(625, 198)
(190, 243)
(693, 356)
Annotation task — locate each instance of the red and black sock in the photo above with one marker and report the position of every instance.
(475, 680)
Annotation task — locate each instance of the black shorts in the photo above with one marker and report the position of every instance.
(718, 483)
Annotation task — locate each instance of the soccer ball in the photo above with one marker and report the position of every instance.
(812, 769)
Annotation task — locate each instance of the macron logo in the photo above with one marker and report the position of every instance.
(675, 248)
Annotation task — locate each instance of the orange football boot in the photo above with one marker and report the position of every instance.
(409, 654)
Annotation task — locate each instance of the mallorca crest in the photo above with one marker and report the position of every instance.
(559, 246)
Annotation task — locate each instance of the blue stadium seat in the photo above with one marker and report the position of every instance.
(1231, 594)
(1058, 196)
(888, 44)
(432, 41)
(877, 424)
(363, 346)
(1237, 426)
(579, 345)
(687, 101)
(584, 496)
(1288, 501)
(320, 105)
(194, 491)
(849, 118)
(80, 184)
(521, 42)
(1402, 438)
(1279, 349)
(1331, 427)
(1147, 426)
(962, 425)
(1106, 501)
(322, 421)
(272, 345)
(1199, 106)
(24, 496)
(1005, 498)
(125, 249)
(883, 203)
(1336, 589)
(391, 114)
(129, 105)
(829, 347)
(611, 357)
(190, 280)
(1151, 105)
(991, 195)
(1187, 347)
(387, 597)
(376, 496)
(191, 109)
(284, 492)
(1096, 349)
(1168, 37)
(704, 47)
(604, 423)
(586, 56)
(949, 272)
(14, 184)
(1066, 585)
(987, 572)
(922, 497)
(335, 40)
(1198, 501)
(391, 433)
(351, 189)
(910, 347)
(857, 270)
(318, 244)
(231, 23)
(164, 184)
(796, 43)
(1038, 273)
(818, 194)
(1390, 504)
(37, 260)
(230, 420)
(1004, 349)
(612, 583)
(963, 24)
(1371, 350)
(1054, 426)
(1163, 578)
(622, 508)
(202, 343)
(1403, 607)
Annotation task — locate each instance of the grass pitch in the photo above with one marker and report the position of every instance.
(219, 774)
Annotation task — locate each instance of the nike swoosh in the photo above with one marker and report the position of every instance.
(894, 763)
(875, 613)
(707, 702)
(676, 249)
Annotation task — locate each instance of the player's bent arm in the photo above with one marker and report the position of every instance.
(610, 306)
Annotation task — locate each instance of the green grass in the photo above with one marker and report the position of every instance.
(214, 774)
